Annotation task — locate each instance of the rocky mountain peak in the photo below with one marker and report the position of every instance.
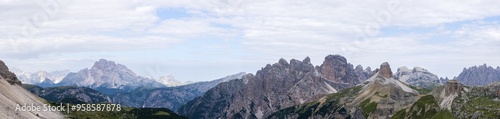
(335, 58)
(8, 75)
(104, 64)
(307, 60)
(385, 70)
(336, 68)
(283, 62)
(358, 67)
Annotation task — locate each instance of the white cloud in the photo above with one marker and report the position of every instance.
(264, 29)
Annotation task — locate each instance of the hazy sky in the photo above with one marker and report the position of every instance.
(204, 40)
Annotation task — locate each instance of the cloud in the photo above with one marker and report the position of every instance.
(266, 30)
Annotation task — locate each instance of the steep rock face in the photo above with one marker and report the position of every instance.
(8, 75)
(337, 69)
(272, 88)
(108, 77)
(11, 94)
(479, 75)
(418, 77)
(385, 70)
(446, 94)
(170, 97)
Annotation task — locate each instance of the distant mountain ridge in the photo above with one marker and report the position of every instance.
(108, 77)
(169, 97)
(170, 81)
(42, 78)
(479, 75)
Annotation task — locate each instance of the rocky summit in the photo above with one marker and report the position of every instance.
(272, 88)
(337, 69)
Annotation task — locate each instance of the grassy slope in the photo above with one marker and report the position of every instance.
(330, 104)
(424, 108)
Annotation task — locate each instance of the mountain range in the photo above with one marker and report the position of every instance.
(479, 75)
(42, 78)
(168, 97)
(286, 89)
(272, 88)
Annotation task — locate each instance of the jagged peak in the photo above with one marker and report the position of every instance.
(385, 70)
(104, 64)
(359, 67)
(307, 60)
(282, 61)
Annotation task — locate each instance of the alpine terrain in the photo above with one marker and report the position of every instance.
(272, 88)
(12, 94)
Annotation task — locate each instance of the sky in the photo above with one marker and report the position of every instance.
(204, 40)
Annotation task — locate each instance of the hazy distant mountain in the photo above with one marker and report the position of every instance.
(41, 76)
(274, 87)
(479, 75)
(108, 77)
(170, 97)
(418, 77)
(170, 81)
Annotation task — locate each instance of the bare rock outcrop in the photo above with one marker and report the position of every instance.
(385, 70)
(8, 75)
